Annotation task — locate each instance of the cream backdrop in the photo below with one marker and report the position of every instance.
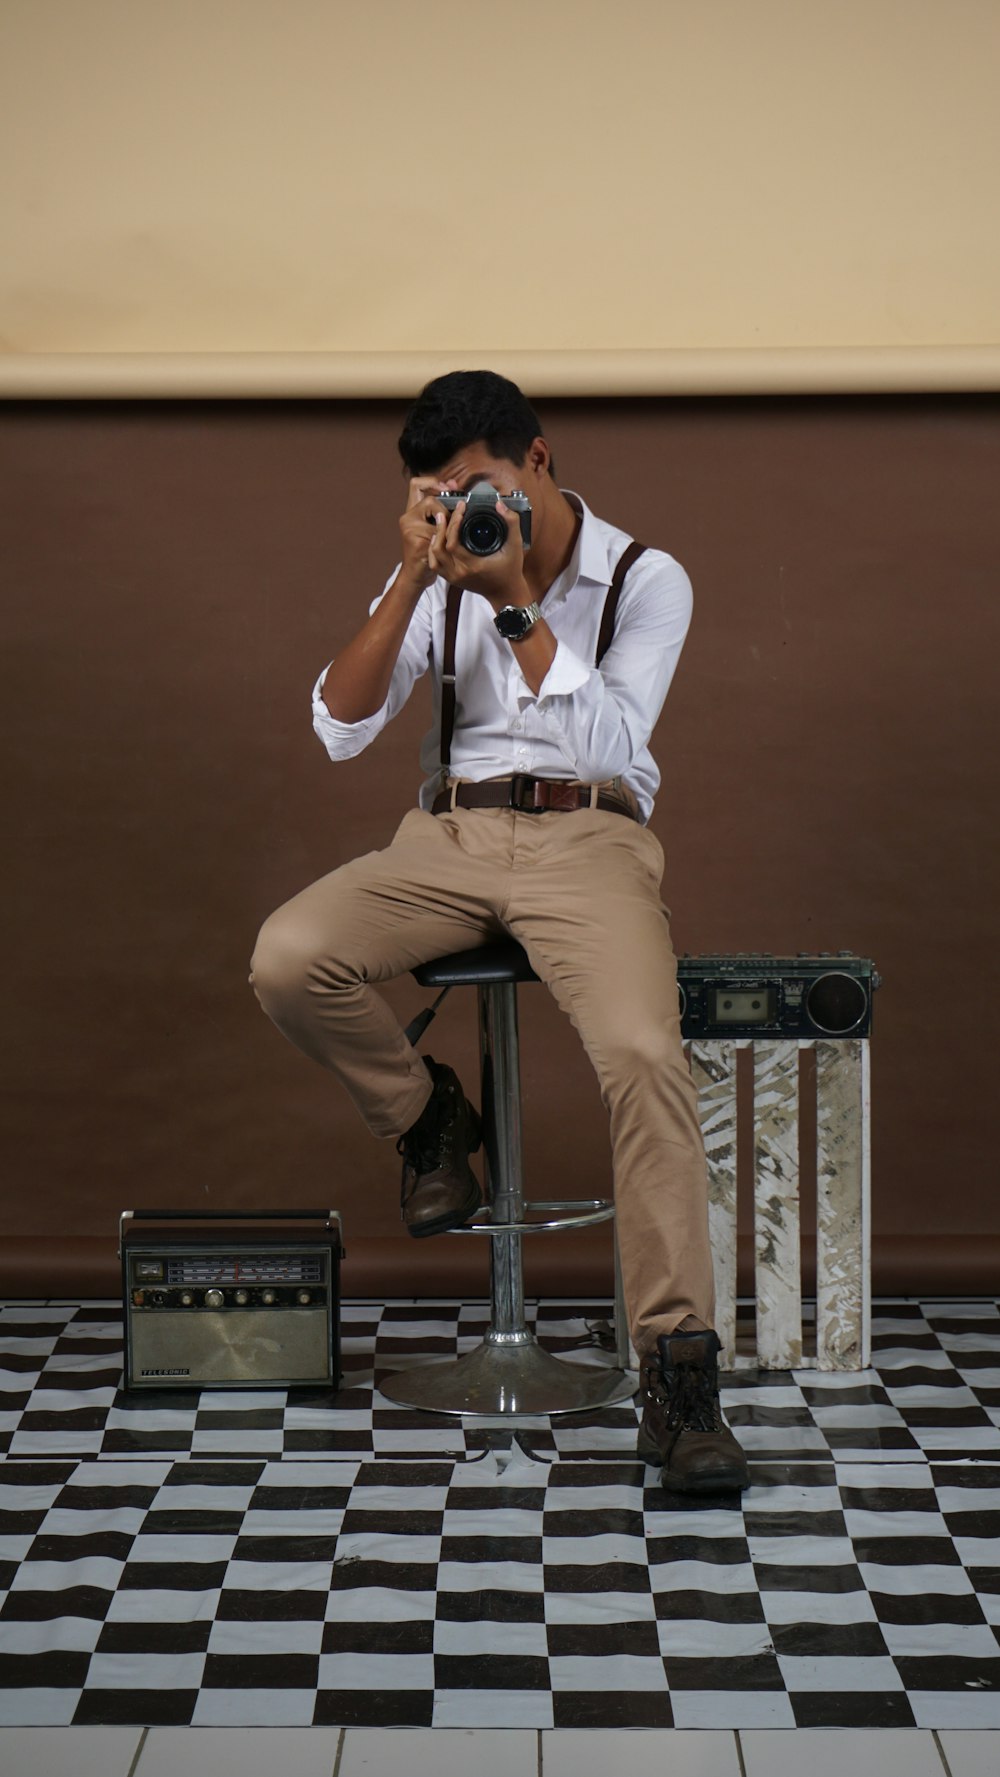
(623, 195)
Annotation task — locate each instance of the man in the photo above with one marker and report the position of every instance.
(533, 825)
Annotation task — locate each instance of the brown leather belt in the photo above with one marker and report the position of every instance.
(529, 795)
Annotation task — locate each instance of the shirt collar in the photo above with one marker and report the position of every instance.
(591, 551)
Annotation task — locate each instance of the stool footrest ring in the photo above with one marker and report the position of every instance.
(584, 1212)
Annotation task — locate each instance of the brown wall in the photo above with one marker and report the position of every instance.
(175, 575)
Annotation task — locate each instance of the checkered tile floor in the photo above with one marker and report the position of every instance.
(288, 1558)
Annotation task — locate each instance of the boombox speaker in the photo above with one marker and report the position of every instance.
(247, 1300)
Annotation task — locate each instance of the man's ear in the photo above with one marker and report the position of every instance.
(538, 458)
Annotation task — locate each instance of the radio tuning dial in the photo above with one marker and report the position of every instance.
(214, 1299)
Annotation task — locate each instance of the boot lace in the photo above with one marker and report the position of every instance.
(429, 1142)
(689, 1394)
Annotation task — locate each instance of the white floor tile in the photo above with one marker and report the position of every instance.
(714, 1710)
(599, 1607)
(880, 1577)
(378, 1604)
(978, 1551)
(703, 1576)
(832, 1752)
(239, 1752)
(275, 1638)
(245, 1708)
(956, 1709)
(699, 1640)
(68, 1752)
(839, 1672)
(647, 1752)
(974, 1754)
(376, 1672)
(820, 1607)
(489, 1637)
(437, 1752)
(75, 1633)
(969, 1641)
(491, 1709)
(803, 1552)
(37, 1706)
(144, 1672)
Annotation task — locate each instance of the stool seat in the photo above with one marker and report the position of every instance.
(485, 965)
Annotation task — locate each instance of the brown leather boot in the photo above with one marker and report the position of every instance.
(440, 1190)
(682, 1425)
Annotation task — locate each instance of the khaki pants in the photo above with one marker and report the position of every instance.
(580, 891)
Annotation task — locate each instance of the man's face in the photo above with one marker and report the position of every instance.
(475, 463)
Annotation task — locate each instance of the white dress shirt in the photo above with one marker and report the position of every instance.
(582, 724)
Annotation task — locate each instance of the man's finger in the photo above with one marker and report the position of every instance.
(437, 542)
(454, 526)
(512, 520)
(424, 487)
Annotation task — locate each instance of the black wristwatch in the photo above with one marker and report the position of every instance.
(514, 622)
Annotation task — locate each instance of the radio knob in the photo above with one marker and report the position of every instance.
(242, 1297)
(268, 1297)
(186, 1298)
(214, 1299)
(304, 1298)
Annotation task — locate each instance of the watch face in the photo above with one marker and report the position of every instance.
(513, 622)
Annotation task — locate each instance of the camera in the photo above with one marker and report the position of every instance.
(483, 530)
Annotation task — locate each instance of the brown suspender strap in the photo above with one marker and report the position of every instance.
(630, 554)
(448, 676)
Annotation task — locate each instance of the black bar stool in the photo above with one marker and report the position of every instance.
(508, 1373)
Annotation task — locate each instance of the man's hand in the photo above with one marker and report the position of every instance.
(498, 577)
(418, 527)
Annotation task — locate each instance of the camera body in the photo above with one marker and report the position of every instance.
(483, 530)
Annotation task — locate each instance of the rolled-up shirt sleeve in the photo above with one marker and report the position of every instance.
(344, 740)
(601, 718)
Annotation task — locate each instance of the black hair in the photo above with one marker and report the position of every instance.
(467, 407)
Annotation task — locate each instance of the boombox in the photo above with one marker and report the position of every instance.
(244, 1300)
(805, 996)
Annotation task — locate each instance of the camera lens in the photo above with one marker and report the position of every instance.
(484, 534)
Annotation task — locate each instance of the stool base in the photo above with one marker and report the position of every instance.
(509, 1376)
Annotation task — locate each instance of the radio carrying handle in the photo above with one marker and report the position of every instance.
(329, 1217)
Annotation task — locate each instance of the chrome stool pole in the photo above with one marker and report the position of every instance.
(508, 1374)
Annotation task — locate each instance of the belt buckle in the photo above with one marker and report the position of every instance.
(521, 784)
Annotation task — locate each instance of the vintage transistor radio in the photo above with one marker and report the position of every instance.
(247, 1300)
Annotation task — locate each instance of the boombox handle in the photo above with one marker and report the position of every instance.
(330, 1218)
